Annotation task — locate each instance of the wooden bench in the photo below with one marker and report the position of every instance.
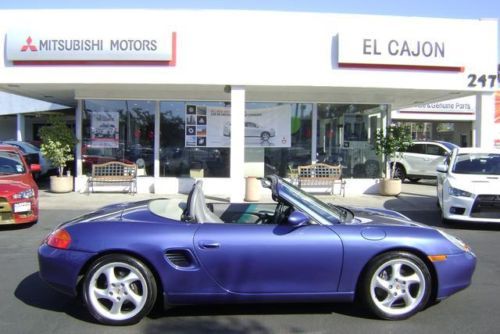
(321, 175)
(114, 172)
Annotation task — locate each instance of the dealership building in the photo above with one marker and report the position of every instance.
(226, 95)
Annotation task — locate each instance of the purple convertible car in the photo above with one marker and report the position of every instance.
(124, 258)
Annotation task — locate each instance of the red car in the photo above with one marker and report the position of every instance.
(18, 190)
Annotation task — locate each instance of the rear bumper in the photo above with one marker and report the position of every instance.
(455, 273)
(61, 268)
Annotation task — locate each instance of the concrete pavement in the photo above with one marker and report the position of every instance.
(414, 197)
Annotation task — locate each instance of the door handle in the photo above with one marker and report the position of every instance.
(208, 244)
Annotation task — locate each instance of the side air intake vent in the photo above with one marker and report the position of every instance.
(179, 258)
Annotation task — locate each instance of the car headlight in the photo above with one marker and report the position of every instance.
(459, 192)
(30, 193)
(456, 241)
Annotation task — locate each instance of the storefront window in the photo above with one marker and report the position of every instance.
(459, 133)
(289, 127)
(186, 147)
(345, 135)
(195, 137)
(118, 130)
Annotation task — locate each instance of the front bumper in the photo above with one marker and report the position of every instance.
(61, 268)
(9, 214)
(455, 273)
(470, 210)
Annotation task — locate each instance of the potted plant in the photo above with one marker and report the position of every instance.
(390, 144)
(57, 145)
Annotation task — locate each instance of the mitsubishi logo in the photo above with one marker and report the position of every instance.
(29, 46)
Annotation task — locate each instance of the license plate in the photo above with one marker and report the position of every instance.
(22, 207)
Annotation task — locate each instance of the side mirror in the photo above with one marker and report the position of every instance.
(297, 219)
(442, 168)
(34, 168)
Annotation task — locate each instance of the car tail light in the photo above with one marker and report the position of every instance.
(59, 239)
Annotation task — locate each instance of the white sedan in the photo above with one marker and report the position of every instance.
(468, 185)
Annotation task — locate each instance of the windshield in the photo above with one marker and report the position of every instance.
(310, 204)
(477, 163)
(449, 146)
(11, 163)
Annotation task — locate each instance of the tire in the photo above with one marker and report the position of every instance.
(396, 285)
(119, 290)
(413, 179)
(399, 172)
(265, 136)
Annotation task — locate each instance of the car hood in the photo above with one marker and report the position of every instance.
(476, 184)
(374, 216)
(10, 187)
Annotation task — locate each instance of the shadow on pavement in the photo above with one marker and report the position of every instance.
(15, 227)
(221, 318)
(34, 292)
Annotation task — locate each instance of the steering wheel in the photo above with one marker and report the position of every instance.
(264, 217)
(281, 213)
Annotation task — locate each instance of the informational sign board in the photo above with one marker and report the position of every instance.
(105, 129)
(211, 126)
(44, 46)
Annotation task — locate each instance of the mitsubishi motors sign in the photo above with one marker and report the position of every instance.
(121, 47)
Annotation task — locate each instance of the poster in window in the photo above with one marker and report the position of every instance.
(264, 127)
(104, 129)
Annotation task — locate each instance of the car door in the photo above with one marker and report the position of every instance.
(435, 155)
(414, 159)
(440, 178)
(252, 258)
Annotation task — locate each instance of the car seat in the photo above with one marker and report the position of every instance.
(197, 210)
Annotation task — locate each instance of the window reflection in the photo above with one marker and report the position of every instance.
(181, 126)
(284, 160)
(119, 130)
(123, 130)
(345, 135)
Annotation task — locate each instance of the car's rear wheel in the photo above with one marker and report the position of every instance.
(119, 290)
(399, 172)
(396, 285)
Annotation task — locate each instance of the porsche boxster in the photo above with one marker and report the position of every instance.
(123, 258)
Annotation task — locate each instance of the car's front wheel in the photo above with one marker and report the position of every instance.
(396, 285)
(119, 290)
